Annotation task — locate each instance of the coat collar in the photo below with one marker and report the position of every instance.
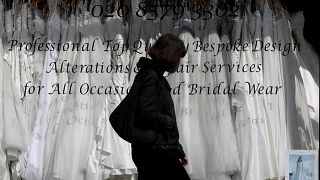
(146, 63)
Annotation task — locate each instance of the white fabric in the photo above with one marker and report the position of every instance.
(4, 171)
(273, 70)
(59, 162)
(220, 143)
(115, 153)
(76, 128)
(309, 69)
(56, 108)
(14, 136)
(299, 126)
(35, 163)
(110, 154)
(255, 150)
(15, 129)
(186, 107)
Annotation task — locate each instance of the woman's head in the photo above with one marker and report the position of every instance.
(168, 49)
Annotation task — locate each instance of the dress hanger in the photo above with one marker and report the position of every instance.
(273, 7)
(76, 2)
(9, 4)
(41, 4)
(235, 6)
(18, 5)
(34, 3)
(75, 6)
(62, 12)
(68, 9)
(88, 5)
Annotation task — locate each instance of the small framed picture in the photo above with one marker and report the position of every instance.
(302, 165)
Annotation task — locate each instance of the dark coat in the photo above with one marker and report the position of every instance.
(155, 108)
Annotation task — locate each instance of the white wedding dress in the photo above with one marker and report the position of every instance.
(252, 126)
(309, 69)
(61, 131)
(110, 154)
(299, 127)
(221, 151)
(77, 126)
(14, 133)
(273, 75)
(14, 136)
(26, 72)
(4, 170)
(56, 107)
(187, 106)
(36, 156)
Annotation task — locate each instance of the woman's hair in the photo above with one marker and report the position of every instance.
(168, 49)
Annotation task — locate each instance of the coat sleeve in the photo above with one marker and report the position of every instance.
(149, 105)
(181, 153)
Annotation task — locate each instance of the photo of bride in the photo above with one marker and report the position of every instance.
(302, 166)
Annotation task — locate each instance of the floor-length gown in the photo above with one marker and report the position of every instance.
(80, 124)
(115, 153)
(4, 171)
(255, 148)
(309, 69)
(95, 167)
(236, 98)
(57, 105)
(110, 154)
(99, 157)
(295, 95)
(15, 129)
(35, 162)
(27, 77)
(186, 106)
(273, 75)
(58, 163)
(190, 108)
(299, 127)
(15, 134)
(26, 73)
(220, 143)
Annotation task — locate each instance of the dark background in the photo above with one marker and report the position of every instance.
(311, 11)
